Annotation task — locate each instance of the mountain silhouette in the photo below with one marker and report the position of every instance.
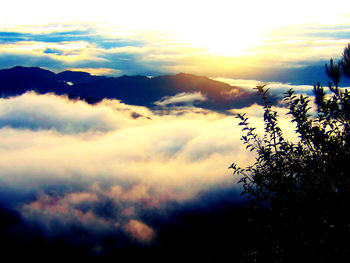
(77, 77)
(135, 90)
(18, 80)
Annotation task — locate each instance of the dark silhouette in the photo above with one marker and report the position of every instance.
(301, 190)
(135, 90)
(210, 228)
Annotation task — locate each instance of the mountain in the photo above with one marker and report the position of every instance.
(18, 80)
(136, 90)
(77, 77)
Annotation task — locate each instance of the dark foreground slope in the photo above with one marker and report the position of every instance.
(212, 229)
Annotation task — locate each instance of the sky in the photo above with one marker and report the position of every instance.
(99, 176)
(228, 39)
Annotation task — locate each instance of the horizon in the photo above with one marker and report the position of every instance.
(146, 39)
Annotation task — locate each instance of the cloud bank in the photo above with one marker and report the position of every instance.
(68, 163)
(100, 179)
(181, 98)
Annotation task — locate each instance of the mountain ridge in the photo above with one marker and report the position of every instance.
(135, 90)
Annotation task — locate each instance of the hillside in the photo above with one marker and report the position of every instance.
(136, 90)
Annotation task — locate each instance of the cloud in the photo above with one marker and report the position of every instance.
(181, 98)
(319, 31)
(120, 181)
(67, 33)
(50, 112)
(81, 46)
(96, 169)
(48, 139)
(140, 231)
(278, 88)
(80, 197)
(48, 210)
(11, 58)
(98, 71)
(97, 166)
(295, 53)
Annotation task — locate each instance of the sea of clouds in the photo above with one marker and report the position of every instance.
(112, 169)
(63, 160)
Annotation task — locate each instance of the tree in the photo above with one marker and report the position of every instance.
(302, 189)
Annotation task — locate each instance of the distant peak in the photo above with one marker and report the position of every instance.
(30, 70)
(188, 75)
(27, 68)
(74, 72)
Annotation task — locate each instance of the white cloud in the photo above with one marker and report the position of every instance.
(137, 164)
(181, 98)
(104, 142)
(273, 86)
(50, 112)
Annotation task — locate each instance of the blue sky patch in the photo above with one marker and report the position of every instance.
(89, 35)
(53, 51)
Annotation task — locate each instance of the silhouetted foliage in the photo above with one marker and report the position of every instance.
(301, 190)
(346, 61)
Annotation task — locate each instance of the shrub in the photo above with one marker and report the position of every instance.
(302, 189)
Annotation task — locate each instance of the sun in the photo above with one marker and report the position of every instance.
(238, 42)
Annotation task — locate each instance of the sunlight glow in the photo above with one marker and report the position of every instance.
(224, 27)
(98, 71)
